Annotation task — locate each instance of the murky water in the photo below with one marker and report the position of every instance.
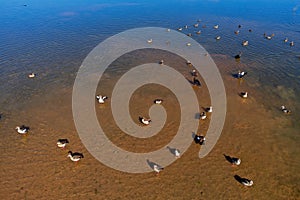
(52, 39)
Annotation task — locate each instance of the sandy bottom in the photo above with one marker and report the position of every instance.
(33, 167)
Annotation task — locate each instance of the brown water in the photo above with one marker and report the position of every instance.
(266, 141)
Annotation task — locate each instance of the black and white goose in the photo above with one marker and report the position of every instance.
(216, 26)
(157, 168)
(75, 157)
(236, 161)
(158, 101)
(194, 73)
(285, 110)
(203, 115)
(196, 82)
(244, 94)
(246, 182)
(145, 121)
(241, 74)
(31, 75)
(177, 153)
(218, 37)
(62, 142)
(22, 129)
(292, 43)
(101, 99)
(209, 109)
(161, 62)
(245, 43)
(238, 56)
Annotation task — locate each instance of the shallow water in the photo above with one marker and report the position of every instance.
(53, 38)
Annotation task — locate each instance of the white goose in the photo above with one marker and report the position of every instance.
(158, 101)
(291, 43)
(157, 168)
(31, 75)
(218, 37)
(245, 43)
(286, 40)
(150, 41)
(75, 157)
(62, 142)
(101, 99)
(145, 121)
(23, 129)
(177, 153)
(244, 94)
(216, 26)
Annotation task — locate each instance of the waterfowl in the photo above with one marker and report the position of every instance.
(101, 99)
(168, 30)
(236, 32)
(245, 43)
(177, 153)
(150, 41)
(246, 182)
(161, 62)
(218, 37)
(62, 142)
(75, 157)
(186, 26)
(144, 120)
(158, 101)
(209, 110)
(188, 62)
(216, 26)
(179, 29)
(31, 75)
(238, 56)
(196, 82)
(250, 30)
(194, 73)
(286, 40)
(22, 129)
(196, 25)
(236, 161)
(199, 139)
(285, 110)
(291, 43)
(157, 168)
(244, 94)
(198, 32)
(189, 34)
(188, 44)
(239, 26)
(241, 74)
(203, 115)
(204, 26)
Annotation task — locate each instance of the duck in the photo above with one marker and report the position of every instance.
(203, 115)
(145, 121)
(209, 109)
(246, 182)
(238, 56)
(216, 26)
(101, 99)
(196, 82)
(31, 75)
(236, 161)
(188, 44)
(286, 40)
(245, 43)
(161, 62)
(177, 153)
(158, 101)
(22, 129)
(244, 94)
(62, 142)
(75, 157)
(218, 37)
(157, 168)
(292, 43)
(194, 73)
(150, 41)
(285, 110)
(198, 32)
(241, 74)
(196, 25)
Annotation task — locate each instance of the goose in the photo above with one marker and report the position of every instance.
(209, 110)
(236, 161)
(244, 94)
(179, 29)
(241, 74)
(250, 30)
(75, 157)
(239, 26)
(216, 26)
(188, 62)
(245, 43)
(292, 43)
(199, 139)
(196, 82)
(285, 110)
(236, 32)
(157, 168)
(150, 41)
(198, 32)
(158, 101)
(246, 182)
(194, 73)
(196, 25)
(189, 34)
(186, 26)
(188, 44)
(168, 30)
(31, 75)
(23, 129)
(238, 56)
(145, 121)
(203, 115)
(218, 37)
(101, 99)
(286, 40)
(62, 142)
(268, 37)
(177, 153)
(161, 62)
